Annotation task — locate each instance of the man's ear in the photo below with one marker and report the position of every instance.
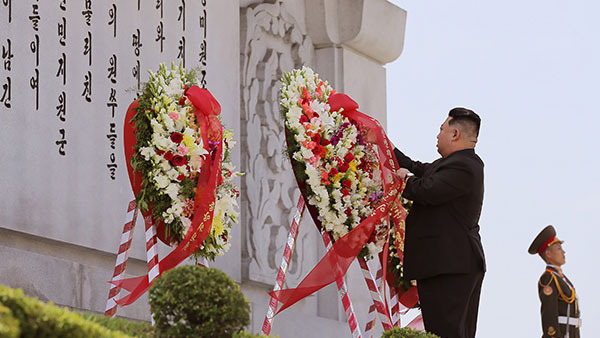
(456, 134)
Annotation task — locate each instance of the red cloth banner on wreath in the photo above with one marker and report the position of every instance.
(206, 110)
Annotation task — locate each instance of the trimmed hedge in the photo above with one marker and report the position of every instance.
(192, 301)
(407, 332)
(38, 319)
(9, 325)
(129, 327)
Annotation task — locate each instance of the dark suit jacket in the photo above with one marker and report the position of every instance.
(442, 230)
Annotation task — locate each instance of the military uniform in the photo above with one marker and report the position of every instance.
(560, 309)
(559, 304)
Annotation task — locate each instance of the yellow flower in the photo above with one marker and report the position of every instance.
(188, 141)
(337, 177)
(352, 165)
(218, 224)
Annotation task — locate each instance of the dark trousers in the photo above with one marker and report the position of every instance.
(449, 304)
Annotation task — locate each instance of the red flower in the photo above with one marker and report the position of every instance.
(317, 138)
(182, 100)
(160, 152)
(177, 137)
(347, 184)
(179, 160)
(303, 119)
(325, 142)
(181, 177)
(323, 151)
(349, 157)
(168, 156)
(348, 212)
(344, 167)
(345, 192)
(333, 172)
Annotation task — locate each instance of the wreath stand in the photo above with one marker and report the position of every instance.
(379, 305)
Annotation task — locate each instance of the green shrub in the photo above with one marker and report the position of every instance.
(407, 332)
(9, 325)
(192, 301)
(37, 319)
(132, 328)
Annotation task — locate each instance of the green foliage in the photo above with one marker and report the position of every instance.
(9, 325)
(192, 301)
(407, 332)
(132, 328)
(38, 319)
(244, 334)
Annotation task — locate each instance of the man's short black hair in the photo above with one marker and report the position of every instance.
(466, 118)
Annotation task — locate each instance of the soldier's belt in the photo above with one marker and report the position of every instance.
(571, 321)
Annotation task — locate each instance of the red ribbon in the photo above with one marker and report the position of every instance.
(344, 250)
(206, 109)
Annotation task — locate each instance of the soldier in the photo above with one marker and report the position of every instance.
(560, 309)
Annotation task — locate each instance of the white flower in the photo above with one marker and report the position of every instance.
(162, 181)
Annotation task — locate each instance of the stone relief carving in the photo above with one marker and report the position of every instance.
(270, 43)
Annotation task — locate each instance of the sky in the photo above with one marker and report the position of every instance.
(531, 70)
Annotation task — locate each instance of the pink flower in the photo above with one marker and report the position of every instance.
(311, 145)
(313, 160)
(182, 150)
(174, 116)
(314, 120)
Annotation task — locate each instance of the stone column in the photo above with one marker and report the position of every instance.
(353, 41)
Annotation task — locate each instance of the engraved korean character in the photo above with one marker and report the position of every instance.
(8, 3)
(160, 36)
(87, 87)
(181, 16)
(181, 48)
(7, 55)
(6, 93)
(135, 71)
(35, 17)
(112, 69)
(61, 109)
(62, 68)
(34, 46)
(112, 166)
(112, 18)
(112, 101)
(61, 143)
(87, 47)
(203, 53)
(203, 22)
(34, 83)
(203, 78)
(87, 12)
(136, 42)
(112, 135)
(159, 5)
(62, 32)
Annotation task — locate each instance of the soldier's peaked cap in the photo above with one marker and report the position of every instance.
(543, 240)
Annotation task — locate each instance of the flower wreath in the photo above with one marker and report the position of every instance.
(171, 147)
(336, 170)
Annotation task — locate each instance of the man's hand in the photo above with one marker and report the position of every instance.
(403, 174)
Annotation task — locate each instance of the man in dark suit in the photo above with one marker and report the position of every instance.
(560, 307)
(443, 250)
